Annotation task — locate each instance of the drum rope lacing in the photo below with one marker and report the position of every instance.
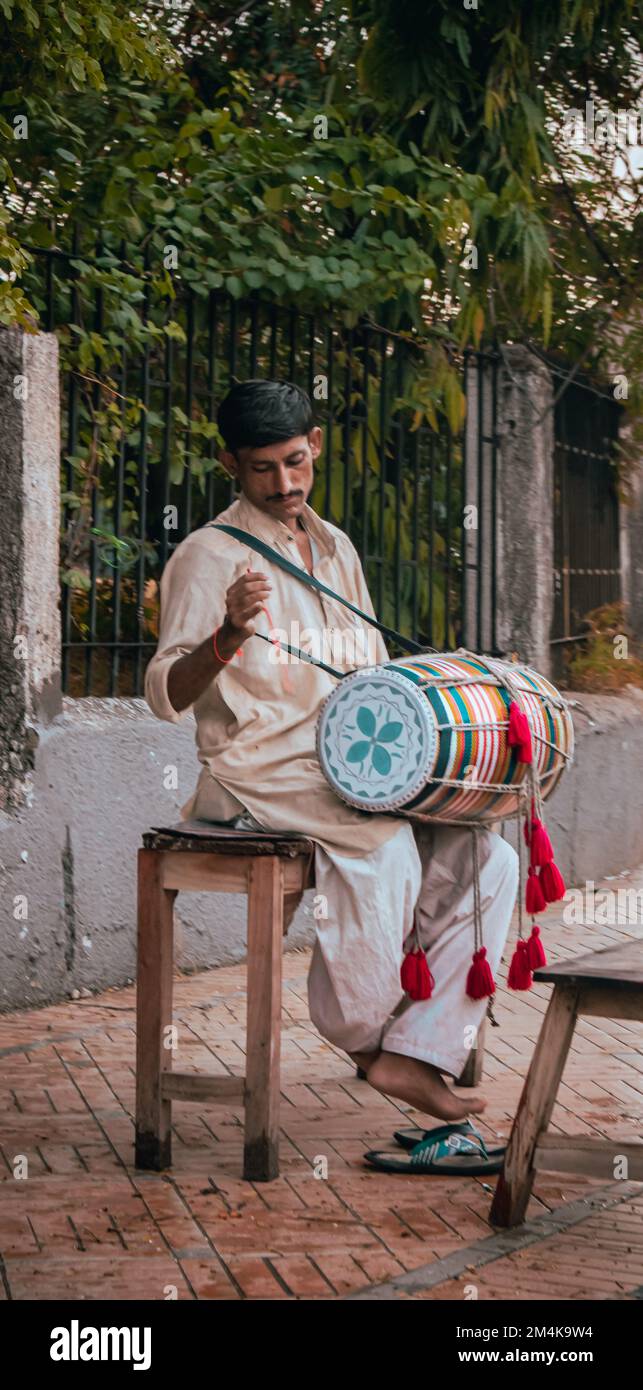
(493, 726)
(440, 682)
(527, 791)
(531, 786)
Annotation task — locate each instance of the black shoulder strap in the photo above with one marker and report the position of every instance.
(269, 554)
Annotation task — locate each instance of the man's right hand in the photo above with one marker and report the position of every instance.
(190, 674)
(244, 600)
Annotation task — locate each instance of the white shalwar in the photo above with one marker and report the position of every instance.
(354, 979)
(256, 741)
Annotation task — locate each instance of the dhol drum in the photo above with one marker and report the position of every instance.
(427, 737)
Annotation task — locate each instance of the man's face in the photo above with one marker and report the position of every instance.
(277, 478)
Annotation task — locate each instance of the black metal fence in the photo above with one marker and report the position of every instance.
(586, 510)
(143, 374)
(143, 377)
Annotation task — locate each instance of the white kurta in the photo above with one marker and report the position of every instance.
(256, 740)
(256, 721)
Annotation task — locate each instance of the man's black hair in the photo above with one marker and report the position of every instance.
(256, 413)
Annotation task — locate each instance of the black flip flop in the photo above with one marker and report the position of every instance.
(408, 1138)
(455, 1149)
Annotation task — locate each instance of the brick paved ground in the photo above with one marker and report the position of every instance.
(85, 1224)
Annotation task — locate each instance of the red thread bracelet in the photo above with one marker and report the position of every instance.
(217, 653)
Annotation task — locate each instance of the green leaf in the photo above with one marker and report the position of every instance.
(366, 721)
(547, 311)
(72, 19)
(174, 330)
(389, 732)
(274, 198)
(381, 760)
(358, 752)
(417, 105)
(76, 579)
(76, 67)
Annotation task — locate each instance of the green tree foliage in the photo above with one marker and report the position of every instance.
(49, 54)
(206, 127)
(402, 162)
(558, 229)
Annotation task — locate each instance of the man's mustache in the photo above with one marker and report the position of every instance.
(285, 496)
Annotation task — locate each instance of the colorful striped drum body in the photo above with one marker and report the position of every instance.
(405, 736)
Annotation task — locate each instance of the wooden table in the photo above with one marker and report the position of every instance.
(607, 984)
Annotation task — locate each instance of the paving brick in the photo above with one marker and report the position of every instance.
(343, 1273)
(92, 1277)
(255, 1278)
(302, 1277)
(87, 1224)
(207, 1278)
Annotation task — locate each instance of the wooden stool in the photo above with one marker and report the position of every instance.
(274, 870)
(607, 984)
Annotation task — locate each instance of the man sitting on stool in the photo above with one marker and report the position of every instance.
(255, 733)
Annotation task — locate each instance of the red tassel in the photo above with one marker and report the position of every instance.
(525, 751)
(552, 882)
(519, 733)
(480, 981)
(417, 980)
(519, 730)
(541, 846)
(534, 897)
(519, 976)
(536, 949)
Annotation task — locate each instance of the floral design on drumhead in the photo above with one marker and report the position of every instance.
(376, 739)
(372, 745)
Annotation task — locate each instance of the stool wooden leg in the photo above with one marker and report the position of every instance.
(514, 1185)
(153, 1012)
(263, 1047)
(471, 1074)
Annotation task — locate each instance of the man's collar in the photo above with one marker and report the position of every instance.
(273, 531)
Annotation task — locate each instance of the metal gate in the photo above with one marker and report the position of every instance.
(587, 561)
(140, 458)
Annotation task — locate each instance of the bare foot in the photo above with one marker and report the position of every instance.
(420, 1085)
(364, 1059)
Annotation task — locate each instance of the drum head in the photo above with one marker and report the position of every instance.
(376, 739)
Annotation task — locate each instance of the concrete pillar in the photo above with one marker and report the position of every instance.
(29, 540)
(631, 539)
(510, 431)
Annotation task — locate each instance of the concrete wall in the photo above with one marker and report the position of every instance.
(98, 783)
(595, 816)
(69, 854)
